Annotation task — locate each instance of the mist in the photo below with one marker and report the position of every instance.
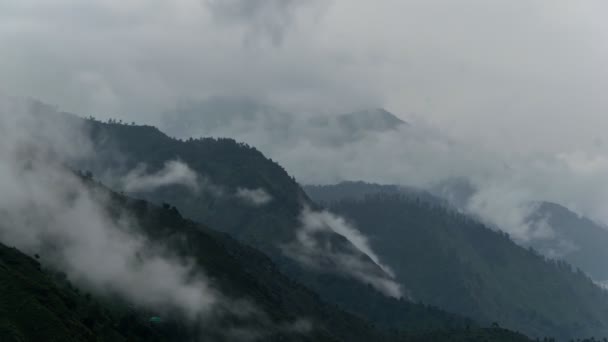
(73, 225)
(313, 249)
(173, 173)
(516, 104)
(47, 209)
(515, 108)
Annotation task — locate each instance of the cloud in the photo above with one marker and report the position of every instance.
(46, 208)
(515, 105)
(174, 172)
(533, 62)
(261, 18)
(178, 173)
(256, 197)
(314, 248)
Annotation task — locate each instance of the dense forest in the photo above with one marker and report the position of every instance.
(233, 165)
(452, 261)
(491, 279)
(38, 302)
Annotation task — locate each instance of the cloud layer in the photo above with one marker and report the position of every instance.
(506, 94)
(46, 209)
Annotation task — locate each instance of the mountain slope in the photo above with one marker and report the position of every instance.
(229, 165)
(585, 241)
(249, 298)
(36, 305)
(574, 238)
(454, 262)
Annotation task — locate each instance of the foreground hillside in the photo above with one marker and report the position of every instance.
(38, 303)
(454, 262)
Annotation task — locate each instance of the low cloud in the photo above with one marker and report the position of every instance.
(173, 172)
(267, 19)
(503, 185)
(178, 173)
(315, 248)
(46, 208)
(255, 197)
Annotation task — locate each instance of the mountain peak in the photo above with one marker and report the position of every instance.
(378, 119)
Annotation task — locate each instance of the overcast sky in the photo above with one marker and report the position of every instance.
(533, 70)
(520, 84)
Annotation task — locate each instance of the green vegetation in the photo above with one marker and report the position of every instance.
(232, 165)
(38, 305)
(585, 241)
(449, 261)
(454, 262)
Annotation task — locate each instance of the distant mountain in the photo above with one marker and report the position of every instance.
(263, 304)
(349, 127)
(574, 238)
(262, 125)
(226, 116)
(372, 120)
(578, 240)
(452, 261)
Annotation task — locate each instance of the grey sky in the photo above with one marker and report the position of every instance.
(520, 85)
(495, 63)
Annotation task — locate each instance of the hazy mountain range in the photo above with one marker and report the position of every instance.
(330, 259)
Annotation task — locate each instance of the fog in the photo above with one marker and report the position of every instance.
(313, 248)
(74, 227)
(173, 173)
(47, 209)
(508, 95)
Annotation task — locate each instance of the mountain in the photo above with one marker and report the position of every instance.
(252, 300)
(39, 305)
(452, 261)
(346, 128)
(270, 227)
(38, 302)
(578, 240)
(574, 238)
(227, 166)
(326, 194)
(226, 116)
(242, 272)
(377, 119)
(265, 126)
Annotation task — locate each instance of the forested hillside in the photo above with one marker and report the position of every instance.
(226, 166)
(38, 302)
(452, 261)
(477, 272)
